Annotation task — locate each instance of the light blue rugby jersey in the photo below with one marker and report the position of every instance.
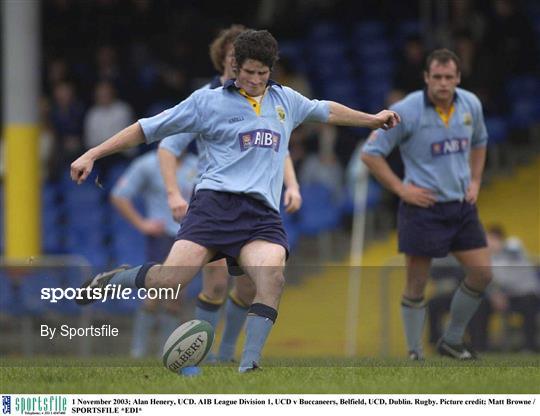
(435, 156)
(245, 151)
(177, 143)
(143, 178)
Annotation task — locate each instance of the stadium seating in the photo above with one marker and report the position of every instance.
(319, 212)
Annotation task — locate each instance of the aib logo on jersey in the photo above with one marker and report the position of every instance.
(449, 146)
(259, 138)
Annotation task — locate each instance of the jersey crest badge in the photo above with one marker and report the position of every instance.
(280, 113)
(467, 119)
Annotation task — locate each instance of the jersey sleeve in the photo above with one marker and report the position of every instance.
(177, 143)
(304, 109)
(381, 142)
(132, 181)
(184, 117)
(480, 134)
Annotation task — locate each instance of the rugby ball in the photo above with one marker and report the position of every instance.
(188, 345)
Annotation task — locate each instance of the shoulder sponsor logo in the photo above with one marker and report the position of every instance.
(236, 119)
(259, 138)
(280, 111)
(449, 146)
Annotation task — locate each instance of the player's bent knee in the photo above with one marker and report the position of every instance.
(276, 280)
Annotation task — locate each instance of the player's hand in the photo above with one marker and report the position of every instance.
(178, 206)
(152, 228)
(415, 195)
(292, 200)
(81, 168)
(472, 192)
(386, 120)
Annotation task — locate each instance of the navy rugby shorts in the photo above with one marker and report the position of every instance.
(225, 222)
(440, 229)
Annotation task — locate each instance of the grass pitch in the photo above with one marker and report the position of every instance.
(493, 374)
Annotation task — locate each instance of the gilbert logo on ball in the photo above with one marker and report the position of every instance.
(188, 345)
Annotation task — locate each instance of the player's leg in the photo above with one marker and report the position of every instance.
(214, 288)
(170, 317)
(263, 262)
(236, 310)
(466, 300)
(183, 262)
(145, 318)
(413, 306)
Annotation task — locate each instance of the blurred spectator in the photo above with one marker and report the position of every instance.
(57, 71)
(66, 122)
(510, 39)
(476, 72)
(323, 168)
(285, 74)
(108, 68)
(515, 286)
(105, 118)
(464, 18)
(410, 69)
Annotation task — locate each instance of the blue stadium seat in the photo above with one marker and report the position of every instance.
(114, 174)
(406, 29)
(368, 30)
(128, 246)
(374, 196)
(30, 292)
(94, 216)
(524, 86)
(378, 69)
(319, 211)
(290, 224)
(375, 50)
(7, 297)
(49, 194)
(525, 112)
(325, 30)
(497, 128)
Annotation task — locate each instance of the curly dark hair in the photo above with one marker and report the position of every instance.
(218, 48)
(258, 45)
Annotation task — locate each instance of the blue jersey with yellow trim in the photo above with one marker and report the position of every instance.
(435, 153)
(245, 143)
(142, 178)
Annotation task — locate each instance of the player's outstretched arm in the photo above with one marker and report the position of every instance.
(131, 136)
(341, 115)
(167, 164)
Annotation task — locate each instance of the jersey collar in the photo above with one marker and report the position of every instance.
(230, 83)
(429, 103)
(215, 83)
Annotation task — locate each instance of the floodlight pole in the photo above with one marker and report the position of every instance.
(355, 269)
(21, 86)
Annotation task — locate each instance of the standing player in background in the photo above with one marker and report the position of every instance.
(245, 127)
(140, 179)
(216, 274)
(442, 139)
